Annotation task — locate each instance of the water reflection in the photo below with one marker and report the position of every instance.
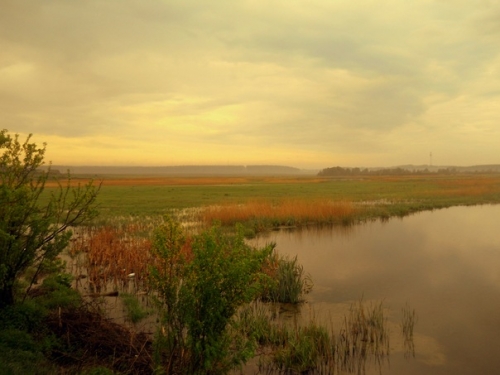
(444, 263)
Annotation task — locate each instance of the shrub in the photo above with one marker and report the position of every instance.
(201, 283)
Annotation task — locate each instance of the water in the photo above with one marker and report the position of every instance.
(445, 264)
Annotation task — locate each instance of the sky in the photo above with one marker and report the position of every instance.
(309, 84)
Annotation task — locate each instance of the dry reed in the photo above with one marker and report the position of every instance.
(111, 257)
(284, 212)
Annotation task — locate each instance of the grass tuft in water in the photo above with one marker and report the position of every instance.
(135, 311)
(314, 348)
(407, 325)
(290, 282)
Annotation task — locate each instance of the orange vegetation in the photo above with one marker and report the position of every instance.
(287, 211)
(108, 256)
(112, 258)
(470, 186)
(165, 181)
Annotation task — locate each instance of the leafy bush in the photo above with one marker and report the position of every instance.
(25, 340)
(201, 282)
(32, 234)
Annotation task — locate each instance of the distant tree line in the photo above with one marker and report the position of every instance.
(339, 171)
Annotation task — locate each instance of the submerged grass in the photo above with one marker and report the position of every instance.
(407, 325)
(310, 347)
(134, 309)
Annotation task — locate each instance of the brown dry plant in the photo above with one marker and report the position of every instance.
(111, 257)
(284, 212)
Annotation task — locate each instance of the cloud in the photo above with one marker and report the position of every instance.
(331, 79)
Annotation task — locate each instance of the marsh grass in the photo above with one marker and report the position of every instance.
(284, 212)
(310, 347)
(232, 199)
(364, 335)
(107, 257)
(289, 283)
(409, 319)
(134, 309)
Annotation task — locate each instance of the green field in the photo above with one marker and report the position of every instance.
(377, 196)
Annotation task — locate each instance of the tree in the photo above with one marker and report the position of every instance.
(34, 227)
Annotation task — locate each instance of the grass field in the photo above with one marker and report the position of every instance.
(372, 197)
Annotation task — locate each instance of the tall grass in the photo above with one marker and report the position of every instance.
(407, 325)
(364, 335)
(133, 308)
(289, 283)
(111, 257)
(314, 348)
(285, 212)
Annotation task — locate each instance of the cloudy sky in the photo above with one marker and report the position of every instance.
(310, 84)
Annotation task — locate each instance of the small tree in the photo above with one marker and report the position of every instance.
(32, 234)
(200, 284)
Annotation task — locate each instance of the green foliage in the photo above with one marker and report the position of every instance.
(57, 292)
(32, 235)
(304, 348)
(201, 284)
(135, 312)
(21, 354)
(290, 282)
(25, 340)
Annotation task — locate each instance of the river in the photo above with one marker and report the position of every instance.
(444, 264)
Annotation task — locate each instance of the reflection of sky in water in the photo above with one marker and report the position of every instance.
(445, 264)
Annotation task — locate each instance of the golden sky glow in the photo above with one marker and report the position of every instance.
(310, 84)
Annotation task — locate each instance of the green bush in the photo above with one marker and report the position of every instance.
(20, 352)
(32, 232)
(57, 292)
(201, 283)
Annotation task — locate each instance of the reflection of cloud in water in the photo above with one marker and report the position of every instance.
(430, 351)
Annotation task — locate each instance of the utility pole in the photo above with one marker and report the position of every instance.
(430, 159)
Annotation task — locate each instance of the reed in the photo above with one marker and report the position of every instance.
(318, 348)
(289, 283)
(115, 258)
(284, 212)
(364, 335)
(409, 319)
(304, 348)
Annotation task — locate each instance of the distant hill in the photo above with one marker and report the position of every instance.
(187, 170)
